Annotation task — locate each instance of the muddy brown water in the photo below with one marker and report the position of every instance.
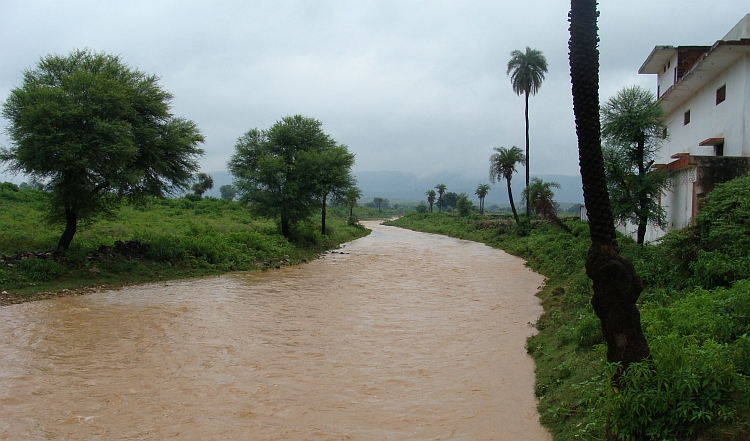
(397, 336)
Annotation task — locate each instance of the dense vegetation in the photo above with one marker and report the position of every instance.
(162, 239)
(695, 311)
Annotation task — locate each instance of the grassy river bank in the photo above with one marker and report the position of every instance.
(695, 311)
(163, 240)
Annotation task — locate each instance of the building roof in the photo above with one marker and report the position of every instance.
(712, 63)
(657, 59)
(715, 60)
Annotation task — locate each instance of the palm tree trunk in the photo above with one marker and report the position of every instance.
(615, 282)
(526, 115)
(512, 205)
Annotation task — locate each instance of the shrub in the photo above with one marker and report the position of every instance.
(686, 387)
(41, 270)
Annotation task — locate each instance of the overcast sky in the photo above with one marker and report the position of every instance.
(409, 86)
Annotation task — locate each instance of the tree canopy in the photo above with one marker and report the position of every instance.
(203, 183)
(228, 192)
(289, 170)
(633, 129)
(94, 131)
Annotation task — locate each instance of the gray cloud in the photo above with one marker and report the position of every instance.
(407, 85)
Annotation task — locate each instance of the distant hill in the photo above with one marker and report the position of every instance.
(397, 185)
(404, 186)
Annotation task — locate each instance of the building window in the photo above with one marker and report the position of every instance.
(686, 118)
(719, 149)
(721, 94)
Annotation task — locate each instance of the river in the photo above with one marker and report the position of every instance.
(396, 336)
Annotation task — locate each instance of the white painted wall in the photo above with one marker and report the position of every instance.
(665, 80)
(727, 120)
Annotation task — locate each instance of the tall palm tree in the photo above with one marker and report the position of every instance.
(615, 283)
(502, 166)
(441, 190)
(430, 198)
(481, 193)
(541, 198)
(526, 70)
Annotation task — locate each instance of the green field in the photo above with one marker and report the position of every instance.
(163, 239)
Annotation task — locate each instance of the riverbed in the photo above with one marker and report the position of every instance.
(396, 336)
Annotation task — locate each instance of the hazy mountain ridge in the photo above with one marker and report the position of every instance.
(397, 185)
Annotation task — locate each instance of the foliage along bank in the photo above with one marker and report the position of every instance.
(163, 239)
(695, 312)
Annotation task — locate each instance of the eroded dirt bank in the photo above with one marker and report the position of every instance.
(399, 335)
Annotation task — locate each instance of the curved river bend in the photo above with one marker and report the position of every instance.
(399, 335)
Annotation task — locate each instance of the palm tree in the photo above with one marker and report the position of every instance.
(616, 285)
(430, 198)
(481, 193)
(441, 190)
(540, 197)
(502, 166)
(526, 70)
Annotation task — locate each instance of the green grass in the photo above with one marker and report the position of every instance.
(695, 386)
(185, 239)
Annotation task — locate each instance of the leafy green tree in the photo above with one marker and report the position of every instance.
(502, 166)
(464, 205)
(228, 192)
(430, 198)
(203, 183)
(450, 199)
(526, 70)
(329, 172)
(97, 131)
(350, 198)
(633, 128)
(421, 207)
(541, 199)
(378, 201)
(616, 285)
(481, 193)
(441, 190)
(279, 170)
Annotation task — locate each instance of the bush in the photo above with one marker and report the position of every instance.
(686, 387)
(41, 270)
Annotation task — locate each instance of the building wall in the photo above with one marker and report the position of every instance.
(665, 79)
(727, 120)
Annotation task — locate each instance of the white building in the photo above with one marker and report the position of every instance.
(705, 93)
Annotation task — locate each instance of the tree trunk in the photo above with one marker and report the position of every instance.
(641, 237)
(285, 227)
(642, 200)
(323, 218)
(526, 115)
(71, 224)
(512, 205)
(615, 282)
